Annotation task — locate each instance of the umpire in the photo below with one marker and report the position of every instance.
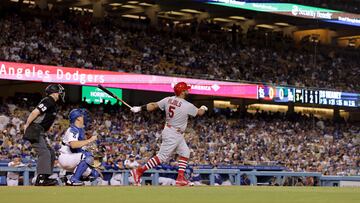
(39, 122)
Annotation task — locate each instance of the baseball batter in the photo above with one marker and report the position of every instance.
(177, 111)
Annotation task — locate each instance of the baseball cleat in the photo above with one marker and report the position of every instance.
(73, 182)
(44, 180)
(181, 181)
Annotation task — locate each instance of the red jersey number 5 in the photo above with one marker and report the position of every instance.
(171, 111)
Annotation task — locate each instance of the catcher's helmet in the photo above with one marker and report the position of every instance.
(56, 88)
(75, 113)
(180, 87)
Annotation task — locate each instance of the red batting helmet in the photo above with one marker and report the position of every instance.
(180, 87)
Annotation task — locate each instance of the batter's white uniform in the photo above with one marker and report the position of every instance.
(68, 160)
(177, 112)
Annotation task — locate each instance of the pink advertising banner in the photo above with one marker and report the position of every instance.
(78, 76)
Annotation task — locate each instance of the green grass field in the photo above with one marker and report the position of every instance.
(178, 194)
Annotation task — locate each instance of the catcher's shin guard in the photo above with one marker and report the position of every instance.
(79, 171)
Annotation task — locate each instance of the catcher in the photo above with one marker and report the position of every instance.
(74, 156)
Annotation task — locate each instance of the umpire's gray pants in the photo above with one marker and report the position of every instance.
(46, 156)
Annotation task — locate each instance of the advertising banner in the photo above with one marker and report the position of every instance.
(295, 10)
(86, 77)
(78, 76)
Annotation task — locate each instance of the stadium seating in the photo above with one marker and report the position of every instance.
(202, 53)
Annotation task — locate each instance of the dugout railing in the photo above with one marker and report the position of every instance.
(235, 173)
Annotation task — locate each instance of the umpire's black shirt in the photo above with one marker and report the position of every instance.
(48, 110)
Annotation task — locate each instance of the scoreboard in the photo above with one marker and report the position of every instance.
(326, 97)
(308, 96)
(276, 94)
(339, 98)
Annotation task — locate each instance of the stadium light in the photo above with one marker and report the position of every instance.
(175, 13)
(78, 9)
(129, 6)
(324, 112)
(145, 4)
(89, 10)
(190, 11)
(267, 107)
(224, 104)
(282, 24)
(222, 20)
(350, 37)
(134, 16)
(266, 26)
(237, 17)
(27, 2)
(115, 4)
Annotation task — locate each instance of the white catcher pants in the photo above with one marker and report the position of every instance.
(69, 162)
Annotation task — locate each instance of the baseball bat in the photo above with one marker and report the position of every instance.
(113, 95)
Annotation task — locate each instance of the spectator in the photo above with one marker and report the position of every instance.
(195, 178)
(131, 163)
(299, 182)
(167, 179)
(109, 164)
(117, 178)
(244, 180)
(4, 120)
(12, 178)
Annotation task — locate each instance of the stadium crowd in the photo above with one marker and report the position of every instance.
(297, 142)
(201, 50)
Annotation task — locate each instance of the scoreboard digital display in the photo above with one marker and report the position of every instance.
(308, 96)
(291, 9)
(276, 94)
(95, 95)
(326, 97)
(339, 98)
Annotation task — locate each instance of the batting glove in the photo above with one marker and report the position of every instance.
(135, 109)
(204, 108)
